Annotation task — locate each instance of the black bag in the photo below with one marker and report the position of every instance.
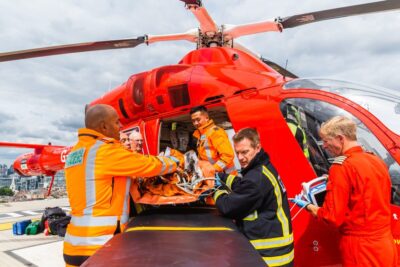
(58, 226)
(51, 213)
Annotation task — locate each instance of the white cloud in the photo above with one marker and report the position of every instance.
(45, 97)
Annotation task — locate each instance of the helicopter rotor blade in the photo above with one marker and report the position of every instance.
(301, 19)
(72, 48)
(207, 24)
(191, 36)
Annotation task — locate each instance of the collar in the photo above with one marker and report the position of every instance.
(89, 132)
(261, 158)
(352, 150)
(203, 129)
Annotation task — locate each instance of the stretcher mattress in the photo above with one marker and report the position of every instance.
(178, 236)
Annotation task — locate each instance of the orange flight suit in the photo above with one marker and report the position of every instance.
(97, 174)
(358, 203)
(213, 145)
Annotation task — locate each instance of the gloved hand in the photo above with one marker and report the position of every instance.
(205, 194)
(300, 202)
(176, 160)
(217, 182)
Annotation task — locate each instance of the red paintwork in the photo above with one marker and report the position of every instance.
(45, 160)
(251, 92)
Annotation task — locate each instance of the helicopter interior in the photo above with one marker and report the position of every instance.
(176, 132)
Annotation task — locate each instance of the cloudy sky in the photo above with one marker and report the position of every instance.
(42, 100)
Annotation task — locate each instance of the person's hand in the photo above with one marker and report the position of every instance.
(300, 202)
(206, 168)
(217, 182)
(205, 194)
(176, 160)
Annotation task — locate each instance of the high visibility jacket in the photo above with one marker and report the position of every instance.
(97, 172)
(358, 203)
(259, 205)
(300, 136)
(213, 145)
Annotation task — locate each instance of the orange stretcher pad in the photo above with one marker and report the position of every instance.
(175, 188)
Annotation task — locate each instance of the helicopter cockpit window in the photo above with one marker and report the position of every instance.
(381, 102)
(312, 113)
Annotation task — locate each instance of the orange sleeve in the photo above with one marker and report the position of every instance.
(337, 197)
(113, 160)
(220, 142)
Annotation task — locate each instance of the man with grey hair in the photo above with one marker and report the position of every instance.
(257, 201)
(136, 142)
(357, 199)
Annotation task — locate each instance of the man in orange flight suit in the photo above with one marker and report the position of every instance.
(357, 199)
(212, 142)
(97, 172)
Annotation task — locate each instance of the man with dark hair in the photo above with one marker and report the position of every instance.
(257, 201)
(212, 142)
(96, 174)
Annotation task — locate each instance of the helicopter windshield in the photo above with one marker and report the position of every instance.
(381, 102)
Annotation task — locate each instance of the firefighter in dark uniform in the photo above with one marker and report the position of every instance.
(257, 201)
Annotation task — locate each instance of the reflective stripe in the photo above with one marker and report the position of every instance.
(229, 180)
(208, 151)
(170, 165)
(179, 228)
(124, 218)
(218, 193)
(87, 241)
(163, 166)
(252, 216)
(90, 183)
(231, 169)
(279, 260)
(221, 164)
(125, 210)
(275, 242)
(277, 191)
(87, 220)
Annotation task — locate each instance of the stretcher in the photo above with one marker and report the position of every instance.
(178, 236)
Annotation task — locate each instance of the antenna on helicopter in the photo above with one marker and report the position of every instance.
(286, 64)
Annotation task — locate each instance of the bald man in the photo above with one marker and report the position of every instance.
(136, 142)
(96, 173)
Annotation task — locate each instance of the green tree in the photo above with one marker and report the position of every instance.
(5, 191)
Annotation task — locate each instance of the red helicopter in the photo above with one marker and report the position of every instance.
(241, 89)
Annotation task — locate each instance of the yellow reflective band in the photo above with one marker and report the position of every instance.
(279, 260)
(229, 180)
(170, 228)
(274, 242)
(277, 191)
(218, 193)
(251, 217)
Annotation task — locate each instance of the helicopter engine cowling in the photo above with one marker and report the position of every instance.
(196, 80)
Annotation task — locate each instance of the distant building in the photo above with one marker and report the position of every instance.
(3, 170)
(10, 170)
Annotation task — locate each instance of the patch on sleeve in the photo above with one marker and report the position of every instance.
(75, 158)
(339, 160)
